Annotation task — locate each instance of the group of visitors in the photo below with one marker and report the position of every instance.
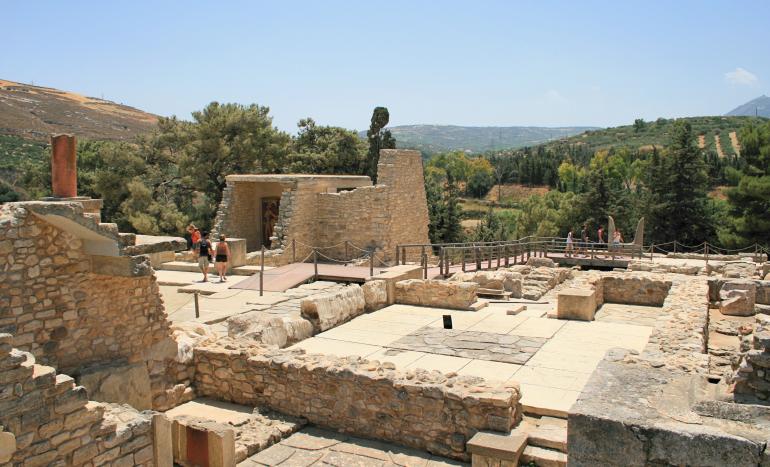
(585, 241)
(199, 242)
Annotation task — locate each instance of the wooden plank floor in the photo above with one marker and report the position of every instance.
(560, 258)
(286, 277)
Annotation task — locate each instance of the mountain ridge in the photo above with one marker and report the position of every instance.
(755, 107)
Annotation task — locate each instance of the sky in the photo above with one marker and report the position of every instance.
(476, 63)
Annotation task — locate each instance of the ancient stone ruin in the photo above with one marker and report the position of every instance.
(112, 352)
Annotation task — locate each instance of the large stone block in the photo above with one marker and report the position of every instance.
(738, 298)
(577, 304)
(328, 310)
(436, 293)
(122, 384)
(375, 295)
(501, 279)
(7, 446)
(202, 442)
(635, 289)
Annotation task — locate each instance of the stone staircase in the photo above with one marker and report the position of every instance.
(538, 440)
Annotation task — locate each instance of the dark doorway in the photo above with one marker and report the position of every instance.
(270, 208)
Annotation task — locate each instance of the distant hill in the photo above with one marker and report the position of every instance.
(719, 134)
(34, 113)
(759, 106)
(442, 138)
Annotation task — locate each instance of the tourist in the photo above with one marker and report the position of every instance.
(195, 235)
(204, 255)
(568, 249)
(617, 239)
(600, 234)
(222, 257)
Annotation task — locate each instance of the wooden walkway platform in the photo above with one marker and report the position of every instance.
(286, 277)
(559, 258)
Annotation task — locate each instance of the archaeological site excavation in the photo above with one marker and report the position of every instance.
(344, 337)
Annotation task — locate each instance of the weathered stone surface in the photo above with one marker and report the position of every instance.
(635, 289)
(121, 384)
(501, 279)
(7, 446)
(738, 298)
(577, 304)
(536, 262)
(375, 295)
(420, 409)
(498, 446)
(609, 425)
(436, 293)
(328, 310)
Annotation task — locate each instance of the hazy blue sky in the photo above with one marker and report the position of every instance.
(466, 63)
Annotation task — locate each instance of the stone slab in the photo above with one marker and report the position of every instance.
(498, 446)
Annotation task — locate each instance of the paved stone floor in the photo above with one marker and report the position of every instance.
(470, 344)
(550, 379)
(314, 446)
(628, 314)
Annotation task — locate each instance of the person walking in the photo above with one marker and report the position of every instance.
(222, 257)
(195, 236)
(204, 255)
(601, 244)
(617, 239)
(569, 248)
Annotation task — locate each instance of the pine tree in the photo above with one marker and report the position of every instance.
(677, 184)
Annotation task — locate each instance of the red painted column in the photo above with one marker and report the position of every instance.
(64, 169)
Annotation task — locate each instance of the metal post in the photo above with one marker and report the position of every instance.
(707, 253)
(398, 250)
(261, 269)
(489, 257)
(422, 251)
(462, 259)
(294, 250)
(505, 252)
(652, 251)
(315, 264)
(441, 260)
(197, 310)
(347, 256)
(371, 264)
(425, 266)
(499, 253)
(674, 246)
(403, 255)
(477, 255)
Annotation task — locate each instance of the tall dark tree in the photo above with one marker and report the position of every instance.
(378, 139)
(677, 184)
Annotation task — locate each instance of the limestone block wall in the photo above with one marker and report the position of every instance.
(436, 293)
(54, 423)
(418, 409)
(635, 289)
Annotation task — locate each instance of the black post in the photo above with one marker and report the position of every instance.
(197, 310)
(347, 256)
(397, 255)
(294, 250)
(425, 266)
(371, 264)
(441, 260)
(462, 259)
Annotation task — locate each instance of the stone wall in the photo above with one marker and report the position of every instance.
(420, 409)
(436, 293)
(74, 310)
(318, 211)
(635, 289)
(753, 375)
(54, 423)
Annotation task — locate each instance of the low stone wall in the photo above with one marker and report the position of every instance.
(436, 293)
(671, 268)
(420, 409)
(753, 375)
(635, 289)
(54, 423)
(328, 310)
(502, 279)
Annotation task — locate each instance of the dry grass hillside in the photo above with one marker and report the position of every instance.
(34, 112)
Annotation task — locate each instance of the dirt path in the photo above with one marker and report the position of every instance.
(736, 144)
(702, 141)
(720, 153)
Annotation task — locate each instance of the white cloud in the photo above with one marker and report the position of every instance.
(741, 76)
(554, 96)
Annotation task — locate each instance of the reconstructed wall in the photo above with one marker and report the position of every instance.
(313, 213)
(54, 423)
(417, 409)
(67, 307)
(436, 293)
(635, 289)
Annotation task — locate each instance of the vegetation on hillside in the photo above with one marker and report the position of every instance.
(175, 175)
